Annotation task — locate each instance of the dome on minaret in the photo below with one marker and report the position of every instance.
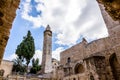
(48, 27)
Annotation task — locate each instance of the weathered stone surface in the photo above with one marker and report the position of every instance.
(47, 51)
(7, 15)
(7, 67)
(100, 58)
(112, 7)
(112, 25)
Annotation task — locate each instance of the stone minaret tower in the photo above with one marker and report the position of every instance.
(47, 47)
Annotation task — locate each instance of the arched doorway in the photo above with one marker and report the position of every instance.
(115, 66)
(79, 68)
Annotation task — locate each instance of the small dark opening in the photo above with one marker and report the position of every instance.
(74, 79)
(1, 22)
(68, 60)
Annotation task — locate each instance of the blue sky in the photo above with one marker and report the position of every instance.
(70, 21)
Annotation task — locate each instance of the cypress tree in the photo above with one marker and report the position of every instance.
(26, 49)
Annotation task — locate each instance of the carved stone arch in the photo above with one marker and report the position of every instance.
(115, 66)
(79, 68)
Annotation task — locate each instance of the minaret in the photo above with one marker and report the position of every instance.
(47, 51)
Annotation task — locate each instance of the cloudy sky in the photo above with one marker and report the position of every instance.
(70, 21)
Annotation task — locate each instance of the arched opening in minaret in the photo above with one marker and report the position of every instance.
(115, 66)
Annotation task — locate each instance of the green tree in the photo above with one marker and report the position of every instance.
(35, 66)
(26, 49)
(18, 66)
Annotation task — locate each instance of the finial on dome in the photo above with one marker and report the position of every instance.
(48, 27)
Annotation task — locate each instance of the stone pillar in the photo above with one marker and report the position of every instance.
(7, 15)
(47, 51)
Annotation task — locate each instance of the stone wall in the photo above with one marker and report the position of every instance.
(75, 53)
(112, 25)
(112, 7)
(81, 50)
(7, 67)
(108, 47)
(22, 77)
(7, 15)
(110, 11)
(76, 77)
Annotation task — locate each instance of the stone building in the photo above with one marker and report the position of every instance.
(6, 68)
(99, 59)
(55, 64)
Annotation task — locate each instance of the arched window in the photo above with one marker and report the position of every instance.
(68, 60)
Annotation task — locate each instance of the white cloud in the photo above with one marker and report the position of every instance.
(12, 57)
(56, 53)
(38, 54)
(40, 7)
(26, 9)
(69, 19)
